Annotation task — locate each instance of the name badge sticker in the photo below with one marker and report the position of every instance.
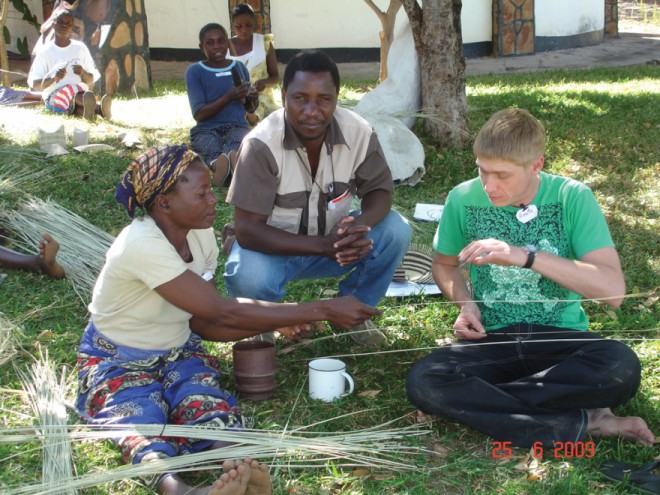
(527, 213)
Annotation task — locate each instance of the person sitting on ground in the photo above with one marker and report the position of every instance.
(44, 262)
(64, 71)
(17, 97)
(525, 369)
(218, 104)
(297, 174)
(256, 51)
(141, 359)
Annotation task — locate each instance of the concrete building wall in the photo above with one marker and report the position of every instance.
(568, 17)
(477, 21)
(340, 25)
(176, 24)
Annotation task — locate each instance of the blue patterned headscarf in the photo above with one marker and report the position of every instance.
(150, 174)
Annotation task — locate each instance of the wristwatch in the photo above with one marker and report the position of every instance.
(531, 250)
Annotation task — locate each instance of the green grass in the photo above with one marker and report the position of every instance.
(602, 129)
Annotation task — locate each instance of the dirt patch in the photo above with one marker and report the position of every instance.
(639, 16)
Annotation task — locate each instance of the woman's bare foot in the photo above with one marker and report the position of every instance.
(604, 423)
(46, 259)
(232, 482)
(259, 483)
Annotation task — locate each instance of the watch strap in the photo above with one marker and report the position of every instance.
(531, 256)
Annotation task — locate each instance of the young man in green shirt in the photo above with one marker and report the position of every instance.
(525, 369)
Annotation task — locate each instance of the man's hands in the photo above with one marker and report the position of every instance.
(348, 241)
(468, 324)
(492, 251)
(483, 252)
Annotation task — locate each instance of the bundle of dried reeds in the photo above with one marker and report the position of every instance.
(20, 166)
(379, 447)
(83, 245)
(46, 395)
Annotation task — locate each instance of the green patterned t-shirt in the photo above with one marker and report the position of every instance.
(569, 224)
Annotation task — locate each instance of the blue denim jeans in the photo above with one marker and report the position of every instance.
(264, 276)
(525, 383)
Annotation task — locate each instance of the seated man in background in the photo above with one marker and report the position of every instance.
(297, 174)
(525, 369)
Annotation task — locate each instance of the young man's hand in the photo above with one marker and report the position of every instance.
(468, 324)
(492, 251)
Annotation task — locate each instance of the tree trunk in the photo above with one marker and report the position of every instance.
(387, 20)
(439, 43)
(4, 60)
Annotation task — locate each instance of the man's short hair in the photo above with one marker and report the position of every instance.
(212, 26)
(310, 61)
(512, 134)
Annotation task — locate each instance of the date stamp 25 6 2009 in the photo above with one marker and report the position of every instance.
(559, 450)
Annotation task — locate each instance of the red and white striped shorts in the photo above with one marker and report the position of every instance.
(63, 100)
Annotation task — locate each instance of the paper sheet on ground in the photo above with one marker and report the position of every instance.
(407, 288)
(428, 212)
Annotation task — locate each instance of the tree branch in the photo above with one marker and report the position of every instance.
(379, 13)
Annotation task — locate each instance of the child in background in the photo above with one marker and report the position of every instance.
(64, 71)
(217, 104)
(256, 51)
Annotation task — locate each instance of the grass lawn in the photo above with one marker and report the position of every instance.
(602, 129)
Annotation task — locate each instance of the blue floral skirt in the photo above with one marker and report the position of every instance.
(124, 385)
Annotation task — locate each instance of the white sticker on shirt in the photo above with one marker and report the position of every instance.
(527, 213)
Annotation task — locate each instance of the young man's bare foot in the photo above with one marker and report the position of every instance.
(46, 260)
(259, 483)
(604, 423)
(419, 417)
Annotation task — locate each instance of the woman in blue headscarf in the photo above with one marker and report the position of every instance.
(141, 359)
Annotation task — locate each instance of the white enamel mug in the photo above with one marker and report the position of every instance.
(327, 379)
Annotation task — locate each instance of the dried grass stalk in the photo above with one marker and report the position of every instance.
(9, 332)
(46, 394)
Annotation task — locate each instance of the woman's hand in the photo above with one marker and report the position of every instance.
(346, 312)
(296, 332)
